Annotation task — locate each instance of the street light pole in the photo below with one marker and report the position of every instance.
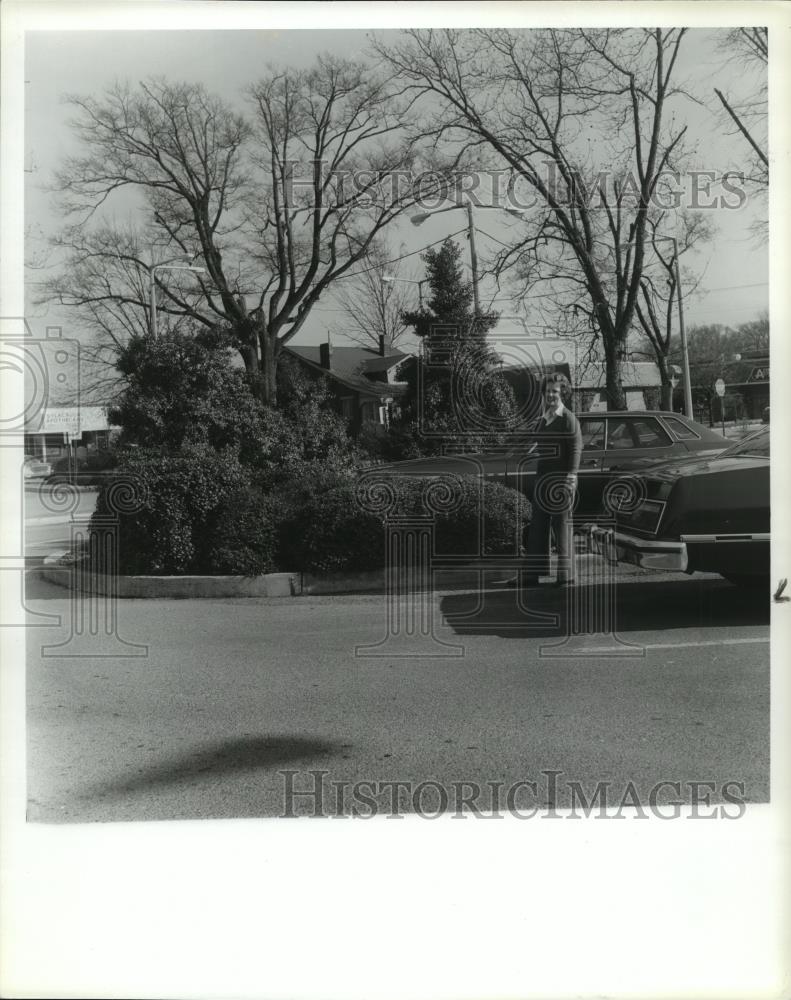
(473, 260)
(420, 218)
(153, 289)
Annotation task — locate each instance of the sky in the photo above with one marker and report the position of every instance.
(733, 268)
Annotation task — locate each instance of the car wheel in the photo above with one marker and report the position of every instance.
(750, 580)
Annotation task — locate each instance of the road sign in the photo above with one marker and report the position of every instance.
(719, 386)
(759, 374)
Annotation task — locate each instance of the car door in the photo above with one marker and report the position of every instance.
(635, 442)
(589, 480)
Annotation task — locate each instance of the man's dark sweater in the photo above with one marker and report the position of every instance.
(559, 444)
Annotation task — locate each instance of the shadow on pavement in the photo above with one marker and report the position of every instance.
(644, 606)
(218, 760)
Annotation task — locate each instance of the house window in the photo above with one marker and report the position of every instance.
(369, 413)
(347, 407)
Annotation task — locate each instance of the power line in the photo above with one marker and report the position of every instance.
(727, 288)
(404, 256)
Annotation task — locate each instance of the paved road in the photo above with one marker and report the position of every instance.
(232, 692)
(47, 518)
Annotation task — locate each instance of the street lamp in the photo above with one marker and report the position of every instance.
(152, 287)
(420, 218)
(390, 278)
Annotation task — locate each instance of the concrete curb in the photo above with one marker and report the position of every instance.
(56, 519)
(35, 487)
(268, 585)
(54, 570)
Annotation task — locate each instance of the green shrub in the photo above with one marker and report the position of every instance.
(324, 528)
(196, 512)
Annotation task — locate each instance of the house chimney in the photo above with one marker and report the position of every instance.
(325, 354)
(385, 345)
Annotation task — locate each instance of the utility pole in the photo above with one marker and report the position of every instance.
(473, 259)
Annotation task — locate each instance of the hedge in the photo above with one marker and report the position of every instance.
(329, 528)
(198, 512)
(204, 513)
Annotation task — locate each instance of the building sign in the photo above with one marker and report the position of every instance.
(759, 374)
(61, 420)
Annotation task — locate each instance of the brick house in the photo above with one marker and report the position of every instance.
(364, 381)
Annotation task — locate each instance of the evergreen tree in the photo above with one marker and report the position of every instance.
(457, 397)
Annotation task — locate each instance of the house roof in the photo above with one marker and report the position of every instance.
(636, 375)
(354, 366)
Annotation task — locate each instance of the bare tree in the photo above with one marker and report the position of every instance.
(747, 50)
(579, 119)
(753, 337)
(374, 298)
(275, 209)
(657, 309)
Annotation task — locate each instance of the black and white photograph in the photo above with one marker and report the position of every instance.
(386, 424)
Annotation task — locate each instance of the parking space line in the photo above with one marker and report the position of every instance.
(676, 645)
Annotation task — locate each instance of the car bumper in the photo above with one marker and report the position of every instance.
(616, 547)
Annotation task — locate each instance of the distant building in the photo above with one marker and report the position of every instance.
(55, 428)
(641, 382)
(748, 378)
(364, 382)
(58, 415)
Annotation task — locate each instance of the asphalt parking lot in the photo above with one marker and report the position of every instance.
(221, 696)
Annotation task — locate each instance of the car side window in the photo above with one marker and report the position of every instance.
(650, 434)
(592, 435)
(619, 435)
(680, 429)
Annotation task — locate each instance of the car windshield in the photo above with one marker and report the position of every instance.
(754, 446)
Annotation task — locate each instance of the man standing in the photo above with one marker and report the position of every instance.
(559, 447)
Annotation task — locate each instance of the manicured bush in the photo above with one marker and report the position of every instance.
(322, 528)
(192, 513)
(326, 528)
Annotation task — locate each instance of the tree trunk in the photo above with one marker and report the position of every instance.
(268, 380)
(666, 392)
(616, 395)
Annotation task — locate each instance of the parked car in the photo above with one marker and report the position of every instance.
(90, 471)
(35, 468)
(709, 515)
(614, 443)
